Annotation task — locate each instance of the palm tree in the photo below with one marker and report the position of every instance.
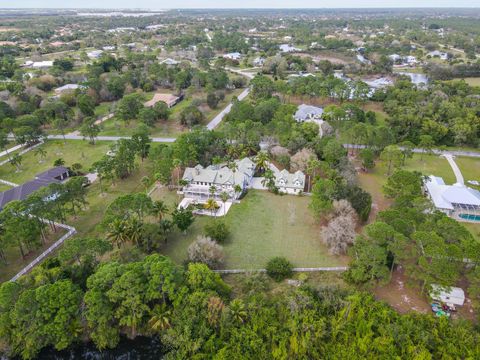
(117, 232)
(261, 161)
(134, 230)
(165, 226)
(176, 167)
(145, 182)
(224, 196)
(237, 311)
(215, 308)
(212, 190)
(160, 318)
(232, 165)
(16, 161)
(159, 209)
(238, 189)
(211, 205)
(269, 180)
(312, 167)
(40, 151)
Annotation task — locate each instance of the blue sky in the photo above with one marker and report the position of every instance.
(162, 4)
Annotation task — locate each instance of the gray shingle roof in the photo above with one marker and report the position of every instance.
(22, 191)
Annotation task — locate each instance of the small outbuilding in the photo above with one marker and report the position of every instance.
(448, 294)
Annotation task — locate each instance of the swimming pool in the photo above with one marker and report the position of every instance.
(470, 217)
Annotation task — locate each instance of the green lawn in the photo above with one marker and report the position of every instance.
(170, 127)
(99, 198)
(102, 109)
(262, 226)
(374, 180)
(72, 151)
(15, 262)
(430, 165)
(472, 81)
(470, 168)
(426, 164)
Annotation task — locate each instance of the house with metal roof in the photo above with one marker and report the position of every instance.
(233, 56)
(289, 183)
(21, 192)
(170, 62)
(457, 200)
(286, 48)
(216, 179)
(95, 54)
(67, 88)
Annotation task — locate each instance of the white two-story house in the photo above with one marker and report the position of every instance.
(216, 179)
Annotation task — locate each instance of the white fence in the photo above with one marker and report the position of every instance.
(242, 271)
(8, 183)
(71, 231)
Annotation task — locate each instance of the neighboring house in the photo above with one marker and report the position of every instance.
(258, 61)
(307, 113)
(57, 43)
(376, 84)
(169, 99)
(39, 64)
(233, 56)
(170, 62)
(154, 27)
(200, 180)
(95, 54)
(403, 60)
(363, 59)
(458, 200)
(395, 58)
(290, 183)
(67, 88)
(286, 48)
(21, 192)
(448, 295)
(440, 54)
(411, 60)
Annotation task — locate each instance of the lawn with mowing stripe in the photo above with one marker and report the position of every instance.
(262, 226)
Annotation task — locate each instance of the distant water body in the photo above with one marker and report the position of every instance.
(142, 348)
(416, 78)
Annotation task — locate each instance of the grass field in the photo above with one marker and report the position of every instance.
(470, 168)
(73, 151)
(15, 262)
(430, 165)
(473, 81)
(262, 226)
(170, 127)
(374, 180)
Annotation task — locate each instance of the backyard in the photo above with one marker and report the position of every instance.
(73, 151)
(373, 180)
(262, 226)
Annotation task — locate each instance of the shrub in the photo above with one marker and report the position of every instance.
(217, 230)
(279, 268)
(205, 250)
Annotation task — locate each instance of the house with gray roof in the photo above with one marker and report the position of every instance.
(200, 181)
(68, 88)
(289, 183)
(21, 192)
(308, 113)
(457, 200)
